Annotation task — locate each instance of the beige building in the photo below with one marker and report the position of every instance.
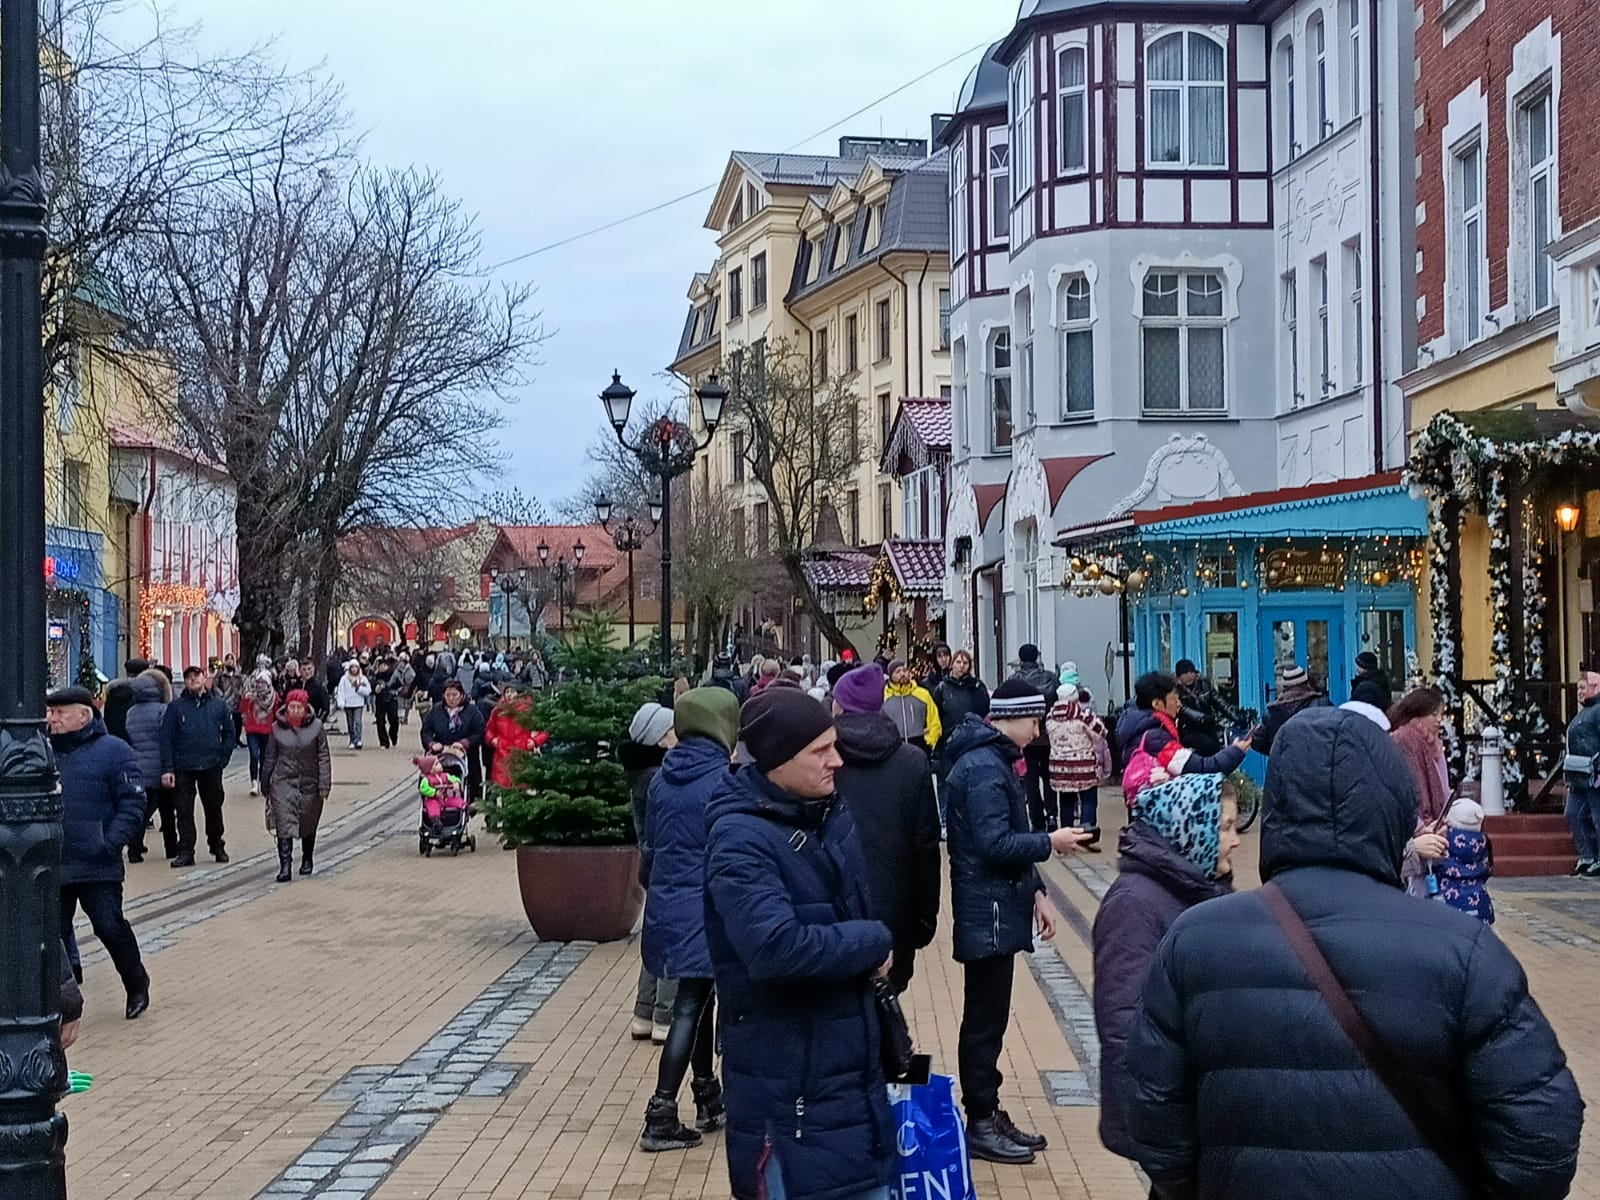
(847, 258)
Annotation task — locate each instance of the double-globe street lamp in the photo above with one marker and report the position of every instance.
(560, 574)
(629, 538)
(510, 582)
(666, 451)
(33, 1135)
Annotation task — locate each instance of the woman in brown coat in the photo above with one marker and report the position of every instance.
(296, 777)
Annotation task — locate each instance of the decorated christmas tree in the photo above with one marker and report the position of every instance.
(575, 793)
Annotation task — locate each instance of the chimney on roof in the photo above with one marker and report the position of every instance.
(862, 147)
(940, 122)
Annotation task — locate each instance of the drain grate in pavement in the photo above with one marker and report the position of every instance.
(1074, 1012)
(393, 1107)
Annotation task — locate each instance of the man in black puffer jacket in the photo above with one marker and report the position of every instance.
(888, 787)
(1244, 1084)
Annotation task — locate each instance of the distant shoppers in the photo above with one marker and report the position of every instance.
(1371, 685)
(938, 668)
(960, 692)
(456, 722)
(353, 692)
(1203, 722)
(997, 901)
(103, 806)
(650, 736)
(1154, 726)
(119, 698)
(706, 721)
(908, 704)
(196, 744)
(1036, 756)
(228, 683)
(311, 683)
(1243, 1080)
(297, 778)
(1079, 758)
(507, 731)
(1175, 852)
(795, 950)
(259, 707)
(1296, 693)
(1583, 776)
(888, 786)
(151, 694)
(386, 700)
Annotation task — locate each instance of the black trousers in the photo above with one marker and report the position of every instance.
(209, 785)
(692, 1039)
(1037, 782)
(102, 904)
(985, 1013)
(387, 709)
(159, 800)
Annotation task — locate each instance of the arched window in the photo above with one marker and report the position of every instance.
(999, 173)
(1317, 41)
(1072, 84)
(1022, 119)
(958, 202)
(1077, 347)
(1288, 135)
(1187, 101)
(1000, 390)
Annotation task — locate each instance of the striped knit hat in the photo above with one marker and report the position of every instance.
(1292, 676)
(1015, 698)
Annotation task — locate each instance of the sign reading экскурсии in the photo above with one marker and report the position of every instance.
(1289, 569)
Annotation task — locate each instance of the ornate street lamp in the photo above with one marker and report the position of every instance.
(560, 574)
(628, 537)
(33, 1135)
(511, 582)
(666, 450)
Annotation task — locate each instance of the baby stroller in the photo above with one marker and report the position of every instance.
(445, 808)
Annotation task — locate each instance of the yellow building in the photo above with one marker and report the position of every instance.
(845, 257)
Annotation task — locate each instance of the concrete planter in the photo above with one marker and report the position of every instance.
(580, 893)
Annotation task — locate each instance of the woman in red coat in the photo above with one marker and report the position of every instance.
(506, 733)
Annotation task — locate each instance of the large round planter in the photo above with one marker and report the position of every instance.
(580, 893)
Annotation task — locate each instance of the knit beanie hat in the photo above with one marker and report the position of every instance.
(839, 670)
(711, 712)
(1366, 661)
(1014, 698)
(650, 724)
(860, 690)
(1465, 814)
(779, 723)
(1069, 675)
(1289, 677)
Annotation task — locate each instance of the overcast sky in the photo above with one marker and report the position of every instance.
(549, 118)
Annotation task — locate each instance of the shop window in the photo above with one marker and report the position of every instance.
(1383, 631)
(1164, 640)
(1222, 654)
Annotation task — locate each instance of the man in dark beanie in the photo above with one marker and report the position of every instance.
(997, 900)
(1036, 756)
(795, 949)
(888, 786)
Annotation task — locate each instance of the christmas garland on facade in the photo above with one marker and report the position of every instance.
(1446, 628)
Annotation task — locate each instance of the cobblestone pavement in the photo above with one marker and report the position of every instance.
(391, 1029)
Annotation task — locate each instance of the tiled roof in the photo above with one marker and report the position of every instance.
(126, 436)
(918, 565)
(916, 218)
(921, 433)
(600, 553)
(821, 171)
(692, 340)
(383, 543)
(843, 571)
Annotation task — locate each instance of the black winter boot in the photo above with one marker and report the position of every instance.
(1004, 1123)
(308, 847)
(285, 859)
(662, 1129)
(709, 1112)
(985, 1141)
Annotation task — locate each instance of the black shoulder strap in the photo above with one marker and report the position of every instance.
(1429, 1122)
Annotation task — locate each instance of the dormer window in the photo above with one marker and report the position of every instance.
(1073, 76)
(1186, 100)
(841, 246)
(872, 235)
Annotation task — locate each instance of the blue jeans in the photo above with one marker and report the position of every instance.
(352, 718)
(258, 746)
(1583, 815)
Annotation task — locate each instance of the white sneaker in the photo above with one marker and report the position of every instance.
(658, 1034)
(255, 789)
(640, 1029)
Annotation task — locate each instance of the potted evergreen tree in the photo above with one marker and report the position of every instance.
(567, 813)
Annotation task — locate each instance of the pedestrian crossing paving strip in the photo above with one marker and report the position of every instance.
(392, 1108)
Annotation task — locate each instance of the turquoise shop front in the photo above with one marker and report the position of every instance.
(1252, 584)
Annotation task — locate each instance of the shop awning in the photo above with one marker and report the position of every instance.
(1378, 505)
(918, 565)
(840, 572)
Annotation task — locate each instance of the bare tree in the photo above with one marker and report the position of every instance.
(712, 571)
(801, 442)
(404, 574)
(616, 472)
(510, 506)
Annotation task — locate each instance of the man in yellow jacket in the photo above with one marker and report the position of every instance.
(911, 707)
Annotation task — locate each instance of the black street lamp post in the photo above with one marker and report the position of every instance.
(33, 1135)
(511, 582)
(628, 537)
(666, 451)
(560, 574)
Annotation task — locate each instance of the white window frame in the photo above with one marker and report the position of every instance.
(1539, 270)
(958, 198)
(958, 394)
(1028, 586)
(1353, 269)
(1186, 324)
(945, 298)
(1291, 143)
(1065, 94)
(995, 375)
(1354, 67)
(1317, 48)
(1186, 87)
(1467, 263)
(1023, 111)
(1075, 287)
(997, 179)
(852, 342)
(1290, 311)
(1022, 328)
(1322, 340)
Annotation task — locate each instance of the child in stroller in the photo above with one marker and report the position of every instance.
(445, 809)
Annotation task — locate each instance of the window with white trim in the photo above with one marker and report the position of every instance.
(1186, 101)
(958, 393)
(1288, 139)
(1077, 347)
(852, 342)
(1022, 119)
(921, 502)
(1028, 585)
(1022, 324)
(999, 192)
(1321, 343)
(1291, 336)
(841, 246)
(1183, 331)
(1353, 64)
(1072, 104)
(958, 201)
(944, 318)
(1355, 309)
(1467, 264)
(1317, 37)
(999, 371)
(1594, 297)
(1537, 150)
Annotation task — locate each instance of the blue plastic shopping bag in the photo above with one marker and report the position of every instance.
(932, 1142)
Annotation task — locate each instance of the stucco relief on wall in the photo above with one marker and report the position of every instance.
(1186, 470)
